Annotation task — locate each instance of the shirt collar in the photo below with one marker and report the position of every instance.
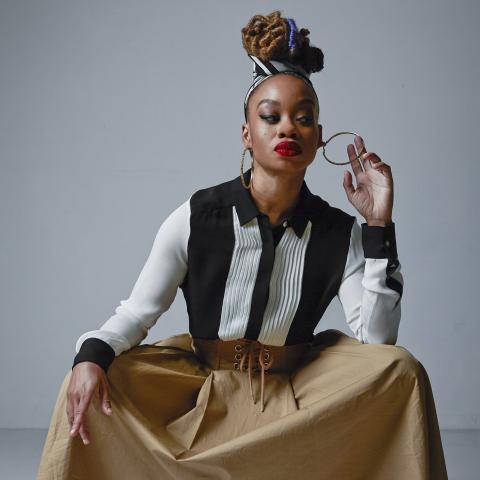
(247, 209)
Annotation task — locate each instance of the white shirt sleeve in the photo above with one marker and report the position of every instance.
(372, 284)
(155, 288)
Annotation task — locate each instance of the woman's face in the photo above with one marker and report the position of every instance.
(282, 108)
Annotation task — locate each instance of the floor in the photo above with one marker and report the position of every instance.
(20, 452)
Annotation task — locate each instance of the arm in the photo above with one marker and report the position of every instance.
(152, 294)
(372, 284)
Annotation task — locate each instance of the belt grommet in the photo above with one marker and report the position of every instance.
(238, 347)
(238, 356)
(235, 365)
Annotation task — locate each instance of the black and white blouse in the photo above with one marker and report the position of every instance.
(244, 278)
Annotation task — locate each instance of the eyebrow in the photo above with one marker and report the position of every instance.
(274, 102)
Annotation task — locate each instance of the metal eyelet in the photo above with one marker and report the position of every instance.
(238, 356)
(236, 365)
(266, 356)
(238, 347)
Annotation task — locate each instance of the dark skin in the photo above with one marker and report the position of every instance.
(278, 179)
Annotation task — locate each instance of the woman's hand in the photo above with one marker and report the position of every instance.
(87, 379)
(373, 197)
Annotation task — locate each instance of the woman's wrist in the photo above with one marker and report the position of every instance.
(379, 223)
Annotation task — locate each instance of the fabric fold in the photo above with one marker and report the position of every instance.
(341, 409)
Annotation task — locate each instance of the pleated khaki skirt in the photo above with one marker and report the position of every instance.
(187, 408)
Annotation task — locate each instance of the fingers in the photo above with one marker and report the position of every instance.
(358, 150)
(348, 185)
(360, 144)
(366, 157)
(378, 165)
(369, 160)
(105, 397)
(81, 404)
(382, 167)
(84, 433)
(356, 166)
(85, 388)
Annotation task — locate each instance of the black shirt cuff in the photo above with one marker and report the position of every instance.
(378, 241)
(97, 351)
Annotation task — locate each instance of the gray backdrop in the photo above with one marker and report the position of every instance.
(112, 113)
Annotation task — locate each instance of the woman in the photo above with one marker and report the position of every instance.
(259, 258)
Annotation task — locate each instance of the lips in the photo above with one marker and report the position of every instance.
(289, 147)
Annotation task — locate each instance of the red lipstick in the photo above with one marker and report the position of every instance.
(288, 149)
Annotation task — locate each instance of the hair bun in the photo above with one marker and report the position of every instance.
(273, 37)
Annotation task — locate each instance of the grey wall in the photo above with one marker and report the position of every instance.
(112, 113)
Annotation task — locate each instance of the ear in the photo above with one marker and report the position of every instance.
(321, 143)
(246, 139)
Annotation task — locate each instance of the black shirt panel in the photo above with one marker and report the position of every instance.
(325, 261)
(210, 249)
(260, 291)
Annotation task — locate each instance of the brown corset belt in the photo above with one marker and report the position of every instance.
(241, 354)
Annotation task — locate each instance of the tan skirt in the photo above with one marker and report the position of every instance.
(188, 408)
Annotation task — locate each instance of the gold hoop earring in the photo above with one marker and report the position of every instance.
(241, 171)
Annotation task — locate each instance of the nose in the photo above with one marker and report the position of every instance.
(286, 128)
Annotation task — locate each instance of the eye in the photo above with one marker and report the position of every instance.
(268, 117)
(307, 119)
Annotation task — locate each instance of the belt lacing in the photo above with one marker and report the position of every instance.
(264, 353)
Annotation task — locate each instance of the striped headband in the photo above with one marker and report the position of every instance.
(264, 69)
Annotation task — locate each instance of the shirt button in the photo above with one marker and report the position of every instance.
(285, 223)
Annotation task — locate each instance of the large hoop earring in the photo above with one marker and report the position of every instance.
(241, 171)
